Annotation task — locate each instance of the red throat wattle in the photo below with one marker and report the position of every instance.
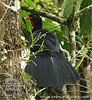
(32, 23)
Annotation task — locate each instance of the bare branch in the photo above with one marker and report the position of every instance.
(84, 11)
(43, 6)
(45, 14)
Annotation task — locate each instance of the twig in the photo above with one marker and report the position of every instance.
(45, 14)
(84, 11)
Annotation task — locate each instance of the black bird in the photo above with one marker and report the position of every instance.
(49, 68)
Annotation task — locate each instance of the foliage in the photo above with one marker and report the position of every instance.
(67, 8)
(86, 21)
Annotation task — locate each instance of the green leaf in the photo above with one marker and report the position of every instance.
(80, 62)
(3, 58)
(86, 21)
(35, 1)
(59, 35)
(28, 61)
(27, 76)
(23, 3)
(26, 26)
(24, 13)
(47, 98)
(48, 24)
(67, 8)
(30, 3)
(39, 91)
(65, 30)
(61, 1)
(86, 26)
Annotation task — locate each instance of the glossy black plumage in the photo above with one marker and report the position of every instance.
(49, 39)
(49, 68)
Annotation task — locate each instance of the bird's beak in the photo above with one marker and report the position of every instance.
(29, 17)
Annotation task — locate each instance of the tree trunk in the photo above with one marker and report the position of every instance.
(73, 28)
(13, 84)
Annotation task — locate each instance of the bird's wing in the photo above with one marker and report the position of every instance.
(51, 42)
(48, 37)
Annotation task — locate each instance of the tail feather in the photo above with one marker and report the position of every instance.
(51, 70)
(70, 74)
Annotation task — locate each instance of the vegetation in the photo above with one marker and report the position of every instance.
(72, 23)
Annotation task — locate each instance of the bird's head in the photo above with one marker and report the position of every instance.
(36, 21)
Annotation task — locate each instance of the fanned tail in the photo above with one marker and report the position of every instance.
(51, 70)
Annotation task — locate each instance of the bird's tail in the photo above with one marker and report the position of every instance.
(51, 70)
(70, 74)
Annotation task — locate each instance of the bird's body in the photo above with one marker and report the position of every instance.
(49, 68)
(46, 36)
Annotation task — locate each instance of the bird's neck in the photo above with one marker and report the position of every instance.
(37, 27)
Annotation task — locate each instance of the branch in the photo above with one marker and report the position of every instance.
(45, 14)
(84, 11)
(56, 18)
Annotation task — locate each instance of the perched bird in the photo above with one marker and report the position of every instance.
(49, 68)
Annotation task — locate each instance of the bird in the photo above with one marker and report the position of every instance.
(48, 67)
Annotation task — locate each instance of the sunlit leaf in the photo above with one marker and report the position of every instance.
(39, 91)
(30, 3)
(35, 1)
(24, 13)
(47, 98)
(80, 62)
(3, 58)
(27, 76)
